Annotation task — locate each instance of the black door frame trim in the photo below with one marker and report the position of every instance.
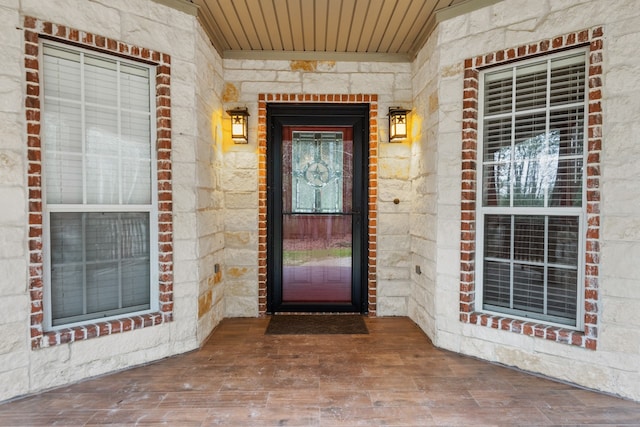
(324, 114)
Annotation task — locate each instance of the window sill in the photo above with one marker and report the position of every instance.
(531, 328)
(100, 329)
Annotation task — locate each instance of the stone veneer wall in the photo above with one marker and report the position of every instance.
(615, 242)
(141, 28)
(425, 186)
(245, 81)
(208, 206)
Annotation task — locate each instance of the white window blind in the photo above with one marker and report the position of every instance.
(98, 170)
(531, 203)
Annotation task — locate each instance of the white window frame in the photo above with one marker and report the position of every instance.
(579, 212)
(151, 208)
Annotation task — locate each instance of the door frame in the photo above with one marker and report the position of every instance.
(293, 114)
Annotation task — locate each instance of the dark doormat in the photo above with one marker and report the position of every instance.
(316, 324)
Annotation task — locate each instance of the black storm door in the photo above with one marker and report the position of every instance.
(316, 207)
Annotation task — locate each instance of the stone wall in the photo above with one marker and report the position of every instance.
(209, 202)
(613, 365)
(424, 187)
(150, 27)
(244, 81)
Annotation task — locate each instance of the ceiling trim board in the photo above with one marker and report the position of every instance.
(266, 55)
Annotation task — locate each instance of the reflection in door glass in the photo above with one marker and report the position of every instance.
(316, 258)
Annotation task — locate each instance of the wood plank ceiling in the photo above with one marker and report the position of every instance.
(390, 27)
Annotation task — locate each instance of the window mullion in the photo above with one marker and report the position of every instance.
(545, 276)
(512, 171)
(547, 126)
(119, 132)
(512, 239)
(119, 256)
(83, 128)
(84, 263)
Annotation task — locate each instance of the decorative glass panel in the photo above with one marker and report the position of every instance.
(317, 162)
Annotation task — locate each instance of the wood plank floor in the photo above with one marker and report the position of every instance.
(391, 377)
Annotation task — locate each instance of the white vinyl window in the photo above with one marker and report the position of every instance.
(100, 203)
(531, 201)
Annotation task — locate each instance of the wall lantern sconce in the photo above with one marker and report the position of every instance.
(397, 123)
(239, 125)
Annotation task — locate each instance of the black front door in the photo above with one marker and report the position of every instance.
(316, 207)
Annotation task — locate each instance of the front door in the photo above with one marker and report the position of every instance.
(316, 208)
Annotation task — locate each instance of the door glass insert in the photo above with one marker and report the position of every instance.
(317, 219)
(316, 169)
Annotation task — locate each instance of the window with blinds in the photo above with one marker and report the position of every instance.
(98, 185)
(531, 208)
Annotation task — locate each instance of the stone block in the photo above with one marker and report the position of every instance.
(326, 83)
(240, 239)
(393, 224)
(14, 382)
(620, 312)
(395, 288)
(393, 273)
(241, 220)
(13, 144)
(16, 309)
(619, 259)
(14, 205)
(391, 306)
(250, 90)
(241, 307)
(620, 339)
(372, 82)
(347, 67)
(242, 288)
(242, 180)
(183, 120)
(184, 226)
(13, 242)
(97, 18)
(289, 76)
(251, 75)
(10, 93)
(14, 335)
(615, 286)
(398, 243)
(391, 189)
(391, 258)
(165, 15)
(184, 269)
(240, 257)
(241, 200)
(14, 276)
(12, 169)
(241, 160)
(184, 198)
(179, 42)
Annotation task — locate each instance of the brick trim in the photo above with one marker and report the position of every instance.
(34, 29)
(588, 337)
(372, 100)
